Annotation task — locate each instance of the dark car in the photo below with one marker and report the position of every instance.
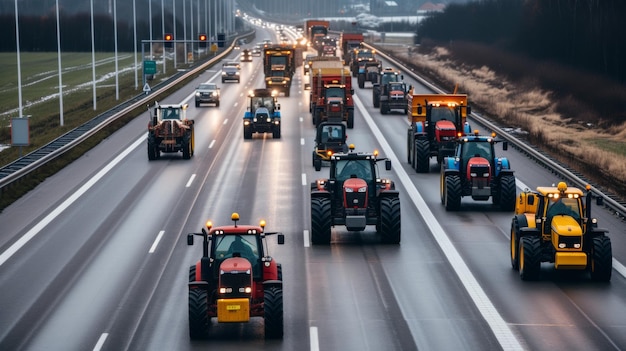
(246, 56)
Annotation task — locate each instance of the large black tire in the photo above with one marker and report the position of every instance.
(192, 273)
(601, 264)
(390, 228)
(422, 159)
(442, 187)
(217, 104)
(507, 193)
(320, 221)
(514, 245)
(376, 97)
(361, 80)
(199, 321)
(408, 148)
(453, 192)
(529, 257)
(350, 122)
(276, 132)
(247, 132)
(384, 108)
(197, 104)
(287, 89)
(273, 312)
(153, 151)
(186, 148)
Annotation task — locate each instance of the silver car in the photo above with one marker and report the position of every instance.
(207, 93)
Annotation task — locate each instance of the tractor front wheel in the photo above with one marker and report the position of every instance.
(506, 193)
(422, 160)
(389, 215)
(320, 221)
(350, 123)
(273, 312)
(529, 257)
(199, 321)
(453, 193)
(601, 259)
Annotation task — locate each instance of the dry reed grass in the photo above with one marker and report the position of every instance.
(597, 150)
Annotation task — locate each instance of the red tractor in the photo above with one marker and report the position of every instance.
(355, 196)
(235, 279)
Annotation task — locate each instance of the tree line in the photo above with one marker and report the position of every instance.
(585, 34)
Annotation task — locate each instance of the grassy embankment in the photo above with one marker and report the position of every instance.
(582, 133)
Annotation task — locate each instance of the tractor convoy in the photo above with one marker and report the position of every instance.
(235, 279)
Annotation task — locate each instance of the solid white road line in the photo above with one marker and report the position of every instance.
(156, 241)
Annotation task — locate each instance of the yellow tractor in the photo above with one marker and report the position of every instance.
(554, 224)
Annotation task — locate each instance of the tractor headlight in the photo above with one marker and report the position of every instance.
(246, 290)
(198, 94)
(363, 189)
(349, 190)
(268, 120)
(473, 175)
(226, 290)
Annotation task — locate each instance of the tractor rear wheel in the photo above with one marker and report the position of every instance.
(601, 259)
(153, 151)
(514, 245)
(422, 161)
(376, 97)
(350, 122)
(320, 221)
(361, 80)
(529, 257)
(186, 146)
(389, 215)
(453, 192)
(273, 312)
(199, 321)
(506, 194)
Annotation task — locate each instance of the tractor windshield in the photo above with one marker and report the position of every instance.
(396, 87)
(334, 92)
(564, 206)
(442, 113)
(267, 102)
(346, 169)
(332, 134)
(170, 113)
(389, 78)
(243, 245)
(477, 149)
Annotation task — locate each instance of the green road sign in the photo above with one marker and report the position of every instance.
(149, 67)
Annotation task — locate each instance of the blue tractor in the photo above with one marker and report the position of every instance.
(263, 114)
(474, 170)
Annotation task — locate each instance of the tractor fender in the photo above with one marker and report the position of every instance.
(522, 221)
(388, 193)
(502, 165)
(419, 128)
(199, 285)
(276, 114)
(273, 283)
(450, 165)
(467, 129)
(594, 232)
(504, 172)
(320, 194)
(247, 115)
(526, 231)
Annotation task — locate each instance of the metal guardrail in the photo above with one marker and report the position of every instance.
(610, 201)
(38, 158)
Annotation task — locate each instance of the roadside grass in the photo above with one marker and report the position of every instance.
(586, 133)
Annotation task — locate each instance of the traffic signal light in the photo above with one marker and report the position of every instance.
(202, 37)
(203, 40)
(168, 37)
